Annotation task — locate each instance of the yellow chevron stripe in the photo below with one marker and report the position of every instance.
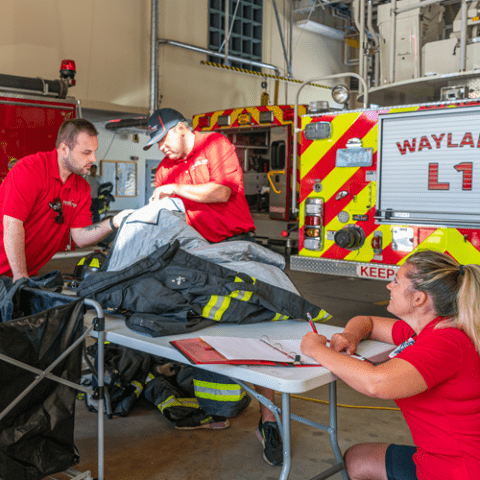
(451, 240)
(463, 252)
(370, 139)
(403, 109)
(340, 124)
(255, 113)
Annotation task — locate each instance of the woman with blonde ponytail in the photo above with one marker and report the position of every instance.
(433, 375)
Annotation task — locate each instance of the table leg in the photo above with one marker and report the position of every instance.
(332, 394)
(285, 427)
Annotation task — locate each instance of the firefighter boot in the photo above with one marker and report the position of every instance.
(200, 419)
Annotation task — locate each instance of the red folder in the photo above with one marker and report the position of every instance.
(200, 352)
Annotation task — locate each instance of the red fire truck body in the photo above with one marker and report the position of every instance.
(31, 112)
(377, 185)
(29, 124)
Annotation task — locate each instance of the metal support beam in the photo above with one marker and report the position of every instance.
(153, 104)
(289, 65)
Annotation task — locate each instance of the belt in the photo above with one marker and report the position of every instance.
(240, 236)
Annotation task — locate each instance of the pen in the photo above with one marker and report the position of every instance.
(314, 328)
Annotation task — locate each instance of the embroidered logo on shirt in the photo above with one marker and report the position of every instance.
(70, 203)
(198, 162)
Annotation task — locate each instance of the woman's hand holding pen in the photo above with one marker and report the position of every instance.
(340, 342)
(310, 343)
(344, 342)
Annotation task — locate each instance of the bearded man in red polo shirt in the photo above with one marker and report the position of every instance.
(44, 199)
(203, 170)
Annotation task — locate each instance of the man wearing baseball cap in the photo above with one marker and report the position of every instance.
(203, 170)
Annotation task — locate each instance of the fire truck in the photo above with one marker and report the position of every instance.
(263, 138)
(31, 112)
(377, 185)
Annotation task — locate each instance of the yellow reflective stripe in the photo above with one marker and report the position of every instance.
(323, 316)
(218, 391)
(279, 316)
(81, 262)
(95, 263)
(218, 386)
(172, 401)
(241, 295)
(150, 377)
(253, 279)
(216, 307)
(220, 398)
(138, 387)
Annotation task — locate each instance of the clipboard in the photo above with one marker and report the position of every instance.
(199, 352)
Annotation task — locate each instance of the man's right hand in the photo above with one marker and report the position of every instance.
(163, 191)
(117, 219)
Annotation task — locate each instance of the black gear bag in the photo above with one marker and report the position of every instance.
(36, 435)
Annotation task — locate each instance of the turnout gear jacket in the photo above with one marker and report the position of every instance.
(172, 291)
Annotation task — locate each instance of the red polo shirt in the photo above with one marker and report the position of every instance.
(213, 159)
(444, 419)
(25, 194)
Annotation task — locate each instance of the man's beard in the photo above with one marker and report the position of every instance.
(69, 162)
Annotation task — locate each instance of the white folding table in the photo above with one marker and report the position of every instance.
(287, 380)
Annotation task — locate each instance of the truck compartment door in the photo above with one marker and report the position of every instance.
(279, 174)
(428, 168)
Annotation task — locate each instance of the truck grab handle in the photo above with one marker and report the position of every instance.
(297, 129)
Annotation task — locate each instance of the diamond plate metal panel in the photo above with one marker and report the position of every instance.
(342, 268)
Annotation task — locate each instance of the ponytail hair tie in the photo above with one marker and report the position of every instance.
(462, 271)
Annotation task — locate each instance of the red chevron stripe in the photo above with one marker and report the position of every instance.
(364, 123)
(443, 105)
(472, 236)
(354, 185)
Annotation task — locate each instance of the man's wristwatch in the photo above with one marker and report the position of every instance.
(112, 225)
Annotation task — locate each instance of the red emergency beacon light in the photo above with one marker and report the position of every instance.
(68, 71)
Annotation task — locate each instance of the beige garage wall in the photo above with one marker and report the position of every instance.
(110, 43)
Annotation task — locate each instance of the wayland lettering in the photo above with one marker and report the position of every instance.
(445, 140)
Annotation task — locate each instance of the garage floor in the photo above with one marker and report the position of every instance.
(145, 445)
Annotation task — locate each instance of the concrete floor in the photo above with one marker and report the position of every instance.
(145, 445)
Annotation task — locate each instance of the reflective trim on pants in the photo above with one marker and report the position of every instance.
(219, 392)
(178, 402)
(138, 387)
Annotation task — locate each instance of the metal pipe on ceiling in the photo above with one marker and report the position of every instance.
(217, 54)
